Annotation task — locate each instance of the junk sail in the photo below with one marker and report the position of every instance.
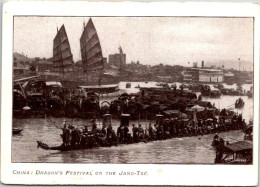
(62, 57)
(91, 52)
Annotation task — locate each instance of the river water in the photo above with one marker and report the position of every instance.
(187, 150)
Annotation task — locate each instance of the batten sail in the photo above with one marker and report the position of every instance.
(91, 52)
(62, 56)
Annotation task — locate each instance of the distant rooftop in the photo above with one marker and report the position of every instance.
(204, 69)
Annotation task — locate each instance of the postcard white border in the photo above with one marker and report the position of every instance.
(164, 174)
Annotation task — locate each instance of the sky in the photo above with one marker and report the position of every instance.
(150, 40)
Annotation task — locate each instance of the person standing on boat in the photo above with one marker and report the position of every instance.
(73, 137)
(140, 132)
(219, 150)
(78, 137)
(118, 110)
(150, 131)
(103, 131)
(94, 125)
(120, 133)
(109, 131)
(65, 134)
(174, 87)
(135, 133)
(126, 134)
(85, 130)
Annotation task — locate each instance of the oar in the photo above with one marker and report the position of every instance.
(146, 120)
(56, 126)
(230, 105)
(53, 122)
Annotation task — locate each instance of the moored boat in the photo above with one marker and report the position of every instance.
(102, 90)
(90, 105)
(240, 152)
(239, 103)
(17, 130)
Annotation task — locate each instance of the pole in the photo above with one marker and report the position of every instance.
(62, 66)
(139, 117)
(22, 90)
(239, 63)
(98, 120)
(146, 120)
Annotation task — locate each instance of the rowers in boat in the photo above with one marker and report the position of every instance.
(165, 127)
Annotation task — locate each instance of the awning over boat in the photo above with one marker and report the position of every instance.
(99, 86)
(196, 108)
(53, 83)
(125, 115)
(111, 73)
(34, 94)
(204, 103)
(240, 146)
(171, 112)
(175, 113)
(159, 115)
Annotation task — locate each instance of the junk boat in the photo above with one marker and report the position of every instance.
(250, 92)
(72, 103)
(232, 92)
(19, 102)
(55, 99)
(94, 66)
(239, 103)
(128, 85)
(92, 70)
(126, 103)
(90, 105)
(208, 92)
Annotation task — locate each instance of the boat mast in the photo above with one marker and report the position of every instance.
(239, 64)
(121, 59)
(62, 66)
(84, 47)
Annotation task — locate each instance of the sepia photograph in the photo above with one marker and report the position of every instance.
(130, 93)
(133, 90)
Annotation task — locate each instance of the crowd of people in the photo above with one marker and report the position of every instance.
(164, 128)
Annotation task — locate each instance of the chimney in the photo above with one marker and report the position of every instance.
(202, 65)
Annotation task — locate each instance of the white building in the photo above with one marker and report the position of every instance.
(211, 75)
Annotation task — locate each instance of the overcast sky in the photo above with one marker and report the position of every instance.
(150, 40)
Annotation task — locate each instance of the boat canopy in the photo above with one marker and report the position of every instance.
(125, 115)
(159, 115)
(53, 83)
(196, 108)
(99, 86)
(240, 146)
